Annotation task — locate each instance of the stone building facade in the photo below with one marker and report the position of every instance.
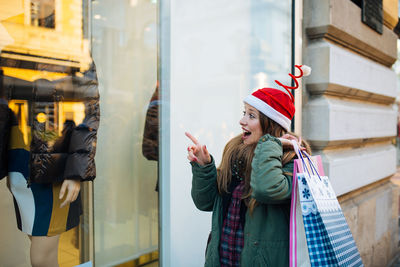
(350, 117)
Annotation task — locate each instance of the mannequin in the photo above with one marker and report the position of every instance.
(47, 160)
(49, 116)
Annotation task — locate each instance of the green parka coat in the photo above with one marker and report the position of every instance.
(266, 231)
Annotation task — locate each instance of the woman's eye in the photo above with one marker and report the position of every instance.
(252, 116)
(244, 113)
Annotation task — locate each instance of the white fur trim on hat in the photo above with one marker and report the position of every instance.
(268, 111)
(306, 70)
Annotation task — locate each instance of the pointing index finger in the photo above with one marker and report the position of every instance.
(191, 137)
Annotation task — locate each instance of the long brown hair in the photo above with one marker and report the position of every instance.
(235, 149)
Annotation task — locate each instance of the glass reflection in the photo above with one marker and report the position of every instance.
(150, 148)
(124, 45)
(50, 112)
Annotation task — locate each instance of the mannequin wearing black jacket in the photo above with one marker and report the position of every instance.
(46, 154)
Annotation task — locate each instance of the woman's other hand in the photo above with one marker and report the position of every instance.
(197, 152)
(73, 188)
(286, 141)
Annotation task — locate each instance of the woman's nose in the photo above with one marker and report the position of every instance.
(242, 121)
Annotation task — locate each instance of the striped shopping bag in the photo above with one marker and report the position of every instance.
(317, 221)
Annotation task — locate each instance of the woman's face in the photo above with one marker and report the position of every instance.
(251, 126)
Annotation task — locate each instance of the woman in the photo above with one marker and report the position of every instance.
(249, 194)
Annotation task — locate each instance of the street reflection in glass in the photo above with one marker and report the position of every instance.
(124, 47)
(49, 119)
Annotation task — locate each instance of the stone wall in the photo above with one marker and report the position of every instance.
(349, 118)
(372, 213)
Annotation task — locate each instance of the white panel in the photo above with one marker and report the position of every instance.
(332, 119)
(336, 65)
(352, 169)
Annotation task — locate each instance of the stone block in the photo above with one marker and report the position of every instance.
(340, 22)
(350, 213)
(395, 202)
(366, 224)
(349, 169)
(394, 222)
(340, 72)
(393, 241)
(367, 258)
(329, 120)
(381, 252)
(383, 212)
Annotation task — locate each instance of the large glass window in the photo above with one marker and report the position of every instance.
(124, 46)
(49, 95)
(42, 13)
(213, 54)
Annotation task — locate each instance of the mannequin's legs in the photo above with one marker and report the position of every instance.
(44, 251)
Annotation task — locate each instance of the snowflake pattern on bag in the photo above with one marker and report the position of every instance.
(306, 193)
(307, 202)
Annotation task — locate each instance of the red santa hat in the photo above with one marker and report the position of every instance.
(277, 104)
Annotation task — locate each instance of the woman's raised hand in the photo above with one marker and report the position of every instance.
(197, 152)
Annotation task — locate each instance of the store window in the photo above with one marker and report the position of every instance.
(43, 13)
(49, 102)
(124, 47)
(51, 83)
(213, 54)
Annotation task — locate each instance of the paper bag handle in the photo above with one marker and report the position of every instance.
(300, 156)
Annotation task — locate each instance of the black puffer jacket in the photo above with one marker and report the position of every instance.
(5, 114)
(62, 118)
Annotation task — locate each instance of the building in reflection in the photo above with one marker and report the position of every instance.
(50, 83)
(42, 50)
(47, 78)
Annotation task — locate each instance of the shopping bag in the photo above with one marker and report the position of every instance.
(299, 256)
(328, 238)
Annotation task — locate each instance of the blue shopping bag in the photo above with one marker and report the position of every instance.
(326, 233)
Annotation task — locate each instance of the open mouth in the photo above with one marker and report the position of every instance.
(246, 133)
